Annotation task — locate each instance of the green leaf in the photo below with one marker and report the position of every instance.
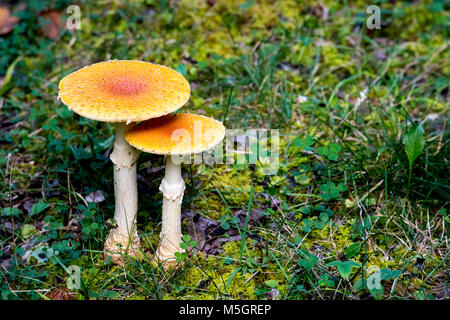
(225, 226)
(333, 156)
(326, 281)
(419, 295)
(360, 285)
(109, 294)
(193, 244)
(334, 193)
(38, 207)
(322, 151)
(304, 143)
(8, 76)
(414, 142)
(352, 250)
(271, 283)
(341, 186)
(94, 225)
(186, 238)
(309, 260)
(181, 68)
(307, 225)
(183, 245)
(306, 209)
(247, 4)
(344, 268)
(326, 187)
(325, 196)
(319, 225)
(387, 274)
(324, 217)
(202, 64)
(28, 230)
(334, 147)
(331, 151)
(8, 212)
(180, 256)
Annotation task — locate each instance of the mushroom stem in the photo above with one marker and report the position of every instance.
(124, 238)
(172, 187)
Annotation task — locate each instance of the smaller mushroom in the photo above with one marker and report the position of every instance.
(174, 136)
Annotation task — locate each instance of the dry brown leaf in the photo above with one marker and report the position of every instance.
(53, 22)
(61, 293)
(7, 21)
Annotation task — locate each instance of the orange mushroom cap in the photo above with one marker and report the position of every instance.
(176, 134)
(124, 90)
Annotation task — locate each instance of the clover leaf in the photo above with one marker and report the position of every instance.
(305, 143)
(331, 190)
(331, 151)
(344, 268)
(308, 261)
(307, 224)
(325, 281)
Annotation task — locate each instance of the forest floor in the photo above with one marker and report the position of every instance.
(356, 208)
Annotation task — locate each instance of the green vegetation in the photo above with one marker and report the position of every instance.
(358, 208)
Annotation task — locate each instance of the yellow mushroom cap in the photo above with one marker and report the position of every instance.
(176, 134)
(124, 90)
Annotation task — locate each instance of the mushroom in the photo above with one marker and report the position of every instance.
(174, 136)
(122, 91)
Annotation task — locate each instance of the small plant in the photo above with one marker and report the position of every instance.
(305, 143)
(352, 250)
(414, 142)
(330, 190)
(331, 151)
(344, 267)
(308, 261)
(326, 281)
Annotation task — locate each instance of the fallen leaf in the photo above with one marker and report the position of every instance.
(61, 293)
(217, 243)
(28, 230)
(7, 21)
(207, 232)
(202, 230)
(255, 216)
(320, 11)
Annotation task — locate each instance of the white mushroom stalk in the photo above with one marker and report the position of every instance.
(172, 186)
(124, 238)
